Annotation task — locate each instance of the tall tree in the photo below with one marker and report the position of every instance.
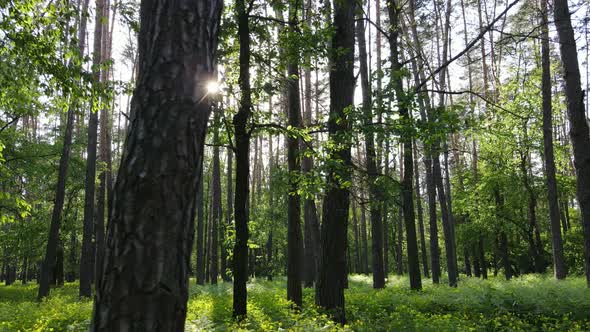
(577, 118)
(294, 237)
(215, 198)
(200, 258)
(149, 241)
(104, 156)
(332, 273)
(87, 258)
(394, 9)
(242, 139)
(375, 195)
(310, 213)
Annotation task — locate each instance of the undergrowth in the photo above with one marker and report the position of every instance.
(529, 303)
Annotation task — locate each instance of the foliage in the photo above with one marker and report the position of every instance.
(532, 302)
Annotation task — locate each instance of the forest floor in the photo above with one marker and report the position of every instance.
(529, 303)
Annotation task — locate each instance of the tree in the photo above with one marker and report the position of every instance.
(394, 9)
(149, 241)
(332, 273)
(577, 118)
(375, 194)
(60, 191)
(242, 138)
(87, 257)
(294, 237)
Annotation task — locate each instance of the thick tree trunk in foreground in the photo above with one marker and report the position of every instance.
(149, 241)
(332, 273)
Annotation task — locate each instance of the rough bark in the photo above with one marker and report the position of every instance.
(147, 259)
(332, 273)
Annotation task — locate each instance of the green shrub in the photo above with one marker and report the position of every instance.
(529, 303)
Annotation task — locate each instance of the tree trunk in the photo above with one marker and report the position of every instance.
(87, 257)
(399, 243)
(294, 236)
(482, 259)
(229, 207)
(200, 263)
(215, 198)
(559, 269)
(364, 241)
(242, 138)
(375, 195)
(420, 214)
(424, 103)
(56, 216)
(105, 152)
(149, 241)
(394, 9)
(332, 273)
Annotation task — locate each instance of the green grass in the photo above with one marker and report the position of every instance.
(530, 303)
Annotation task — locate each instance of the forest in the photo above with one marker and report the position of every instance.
(294, 165)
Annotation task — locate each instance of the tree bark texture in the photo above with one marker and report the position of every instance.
(149, 242)
(332, 273)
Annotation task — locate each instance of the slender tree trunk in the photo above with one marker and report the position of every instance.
(87, 257)
(394, 9)
(424, 103)
(242, 137)
(104, 155)
(375, 195)
(310, 216)
(559, 269)
(200, 263)
(482, 258)
(294, 237)
(364, 241)
(399, 243)
(51, 251)
(149, 241)
(420, 214)
(230, 204)
(215, 198)
(332, 273)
